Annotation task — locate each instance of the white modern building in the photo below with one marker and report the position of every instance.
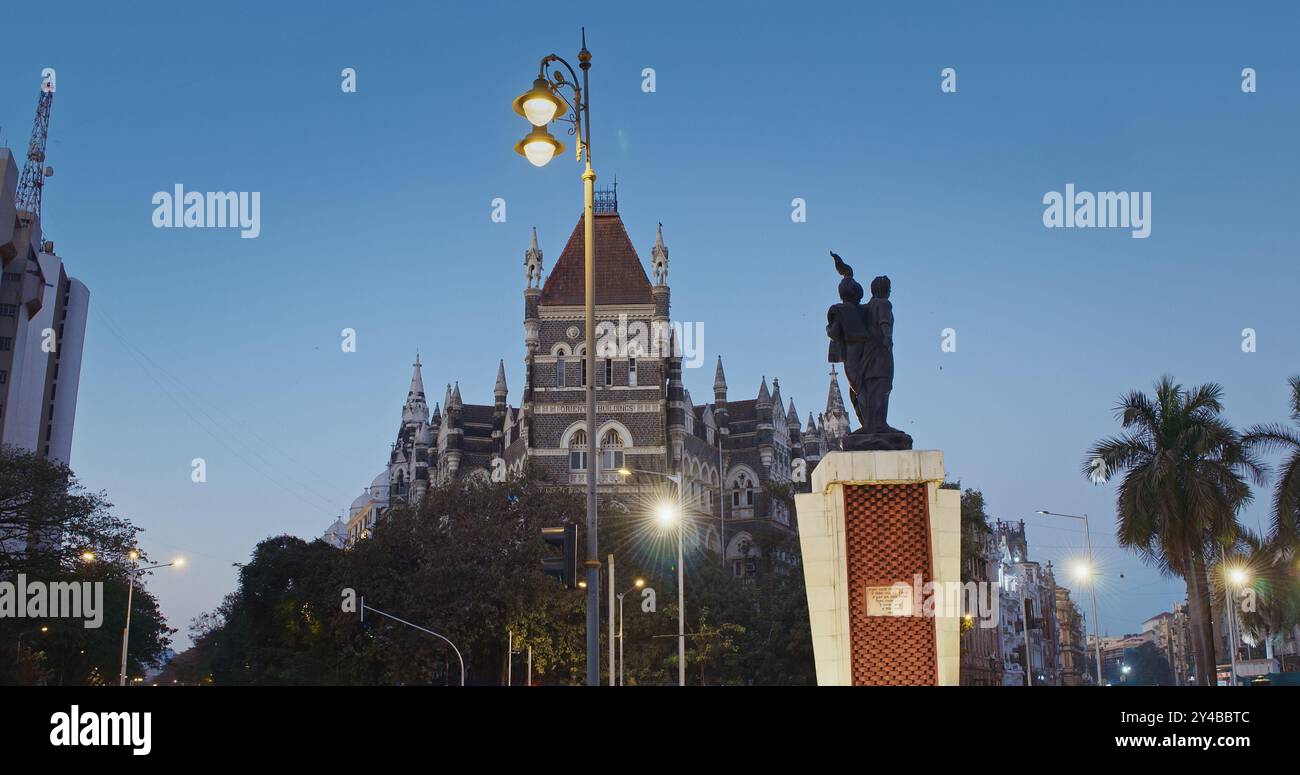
(42, 331)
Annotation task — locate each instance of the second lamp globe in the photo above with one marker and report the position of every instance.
(539, 147)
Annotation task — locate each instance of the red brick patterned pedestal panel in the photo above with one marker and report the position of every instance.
(887, 540)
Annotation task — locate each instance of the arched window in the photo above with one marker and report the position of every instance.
(611, 450)
(559, 371)
(578, 451)
(743, 493)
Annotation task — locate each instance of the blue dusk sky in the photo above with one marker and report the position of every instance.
(376, 215)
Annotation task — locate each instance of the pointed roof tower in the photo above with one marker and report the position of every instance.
(417, 380)
(500, 388)
(620, 278)
(719, 379)
(415, 411)
(659, 258)
(533, 263)
(764, 397)
(834, 400)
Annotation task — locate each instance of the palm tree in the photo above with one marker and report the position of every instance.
(1286, 497)
(1185, 471)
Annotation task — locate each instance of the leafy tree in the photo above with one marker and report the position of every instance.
(468, 564)
(1185, 480)
(975, 530)
(1147, 667)
(48, 520)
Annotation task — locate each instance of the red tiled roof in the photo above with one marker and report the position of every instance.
(741, 411)
(620, 278)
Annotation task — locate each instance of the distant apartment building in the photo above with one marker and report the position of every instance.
(1070, 626)
(1171, 633)
(1028, 627)
(981, 647)
(42, 331)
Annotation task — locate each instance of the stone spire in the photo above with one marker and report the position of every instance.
(500, 388)
(415, 411)
(835, 422)
(499, 394)
(834, 399)
(763, 425)
(417, 380)
(659, 258)
(455, 402)
(792, 416)
(533, 263)
(721, 415)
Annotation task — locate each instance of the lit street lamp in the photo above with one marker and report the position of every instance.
(134, 556)
(636, 585)
(1087, 573)
(541, 105)
(47, 629)
(1235, 577)
(667, 515)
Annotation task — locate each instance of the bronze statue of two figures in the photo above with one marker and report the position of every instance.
(862, 338)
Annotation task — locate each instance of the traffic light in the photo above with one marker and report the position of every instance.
(563, 564)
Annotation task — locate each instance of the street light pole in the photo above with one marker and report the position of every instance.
(1092, 586)
(130, 590)
(639, 583)
(680, 481)
(540, 106)
(1228, 597)
(610, 581)
(620, 637)
(444, 638)
(681, 583)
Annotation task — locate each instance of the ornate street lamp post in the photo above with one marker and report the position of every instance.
(541, 105)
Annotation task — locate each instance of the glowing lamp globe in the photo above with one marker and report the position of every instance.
(540, 104)
(666, 514)
(539, 147)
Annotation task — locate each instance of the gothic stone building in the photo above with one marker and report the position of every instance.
(728, 450)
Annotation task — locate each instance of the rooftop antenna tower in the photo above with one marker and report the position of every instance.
(34, 170)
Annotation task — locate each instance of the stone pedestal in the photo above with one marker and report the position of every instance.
(874, 531)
